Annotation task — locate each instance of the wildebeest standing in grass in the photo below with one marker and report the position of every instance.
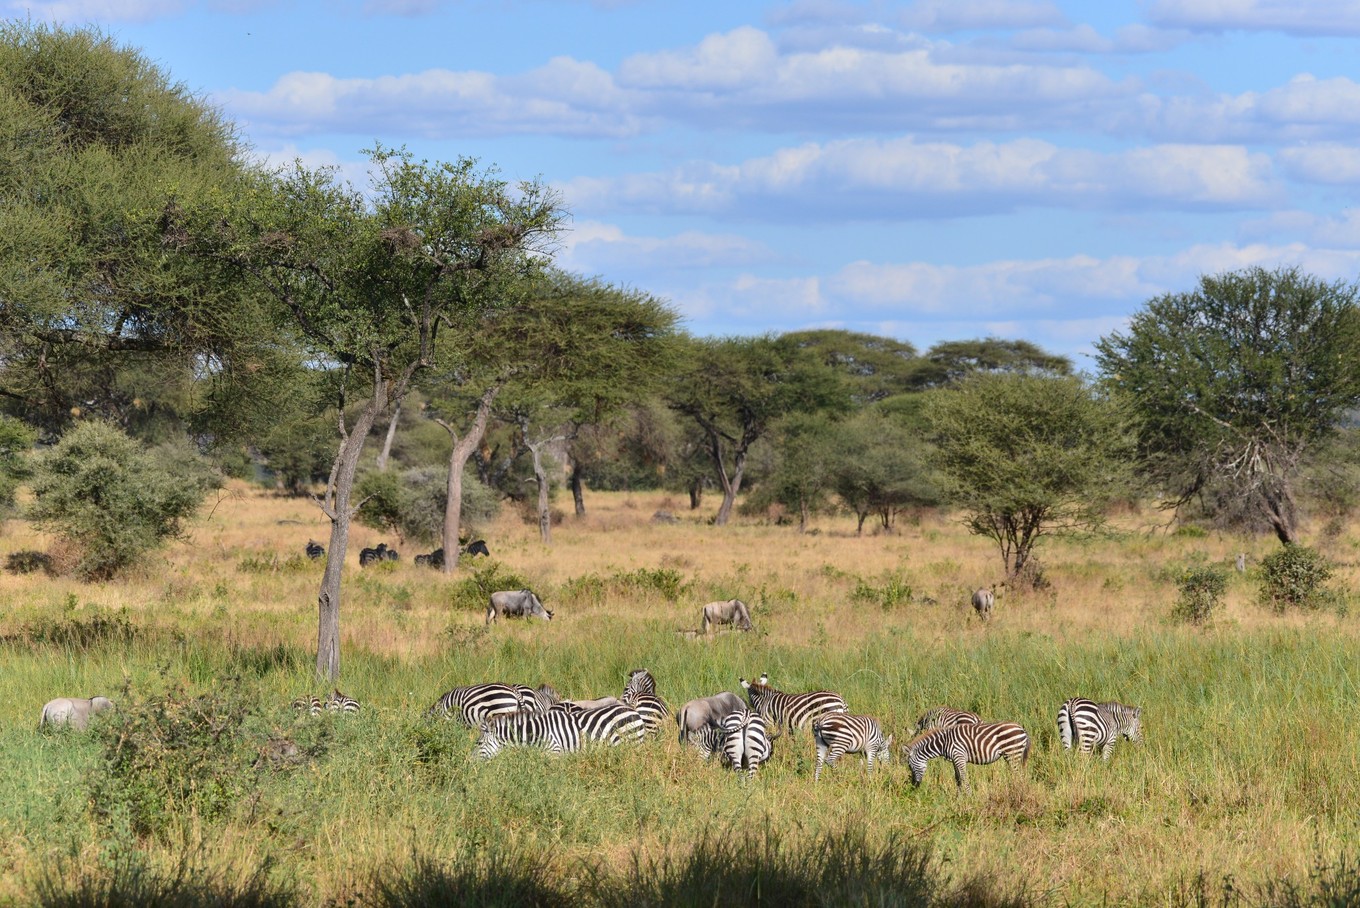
(74, 712)
(516, 604)
(733, 612)
(983, 600)
(702, 712)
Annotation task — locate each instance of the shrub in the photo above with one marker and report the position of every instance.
(189, 884)
(1295, 576)
(15, 440)
(112, 499)
(1202, 590)
(411, 504)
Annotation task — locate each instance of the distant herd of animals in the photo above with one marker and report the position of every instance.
(381, 552)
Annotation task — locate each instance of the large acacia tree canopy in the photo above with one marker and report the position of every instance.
(1232, 382)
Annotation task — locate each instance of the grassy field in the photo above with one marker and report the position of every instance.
(1248, 769)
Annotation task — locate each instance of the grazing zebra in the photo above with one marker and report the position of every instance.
(470, 705)
(536, 700)
(745, 742)
(838, 734)
(964, 744)
(640, 681)
(310, 705)
(555, 730)
(338, 701)
(791, 711)
(709, 739)
(945, 717)
(610, 724)
(1087, 724)
(653, 709)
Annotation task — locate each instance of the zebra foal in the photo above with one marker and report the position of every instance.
(838, 734)
(791, 711)
(945, 717)
(471, 704)
(1087, 724)
(963, 744)
(554, 730)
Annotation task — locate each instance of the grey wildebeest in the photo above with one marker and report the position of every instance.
(983, 600)
(698, 714)
(73, 711)
(516, 604)
(733, 612)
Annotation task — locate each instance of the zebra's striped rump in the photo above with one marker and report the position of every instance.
(791, 711)
(746, 743)
(610, 724)
(945, 717)
(653, 709)
(340, 703)
(555, 730)
(1088, 724)
(963, 744)
(470, 705)
(310, 705)
(840, 733)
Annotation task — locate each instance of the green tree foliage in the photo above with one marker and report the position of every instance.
(735, 389)
(95, 319)
(883, 465)
(411, 503)
(874, 367)
(950, 361)
(16, 439)
(1202, 588)
(112, 499)
(1295, 576)
(1027, 456)
(802, 474)
(1234, 382)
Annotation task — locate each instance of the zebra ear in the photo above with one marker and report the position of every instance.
(764, 678)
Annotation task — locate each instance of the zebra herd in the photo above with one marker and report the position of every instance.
(512, 715)
(334, 702)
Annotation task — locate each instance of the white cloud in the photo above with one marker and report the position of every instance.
(592, 247)
(728, 61)
(864, 178)
(1311, 17)
(1327, 163)
(95, 10)
(953, 15)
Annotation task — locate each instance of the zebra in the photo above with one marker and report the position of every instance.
(470, 705)
(536, 700)
(340, 703)
(746, 742)
(652, 708)
(709, 739)
(1088, 724)
(308, 704)
(610, 724)
(837, 734)
(791, 711)
(945, 717)
(640, 681)
(977, 744)
(555, 730)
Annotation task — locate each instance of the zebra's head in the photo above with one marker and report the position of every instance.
(1131, 726)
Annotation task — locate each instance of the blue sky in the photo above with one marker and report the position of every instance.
(928, 170)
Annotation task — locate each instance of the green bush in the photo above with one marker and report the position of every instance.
(1295, 577)
(173, 755)
(411, 504)
(16, 438)
(114, 500)
(1202, 590)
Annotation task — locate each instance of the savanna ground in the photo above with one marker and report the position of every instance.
(1247, 775)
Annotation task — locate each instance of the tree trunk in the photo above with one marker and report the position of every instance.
(578, 489)
(458, 458)
(1282, 512)
(803, 515)
(731, 485)
(386, 451)
(696, 493)
(541, 478)
(337, 506)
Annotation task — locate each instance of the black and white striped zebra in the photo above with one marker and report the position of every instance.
(963, 744)
(338, 702)
(308, 704)
(746, 743)
(791, 711)
(537, 699)
(708, 740)
(471, 704)
(554, 730)
(945, 717)
(1087, 724)
(653, 709)
(611, 724)
(640, 682)
(838, 734)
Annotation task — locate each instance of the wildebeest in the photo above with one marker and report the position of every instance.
(315, 549)
(379, 553)
(701, 712)
(435, 559)
(516, 604)
(983, 600)
(477, 547)
(73, 711)
(733, 611)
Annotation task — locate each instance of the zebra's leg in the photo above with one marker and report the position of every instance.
(1107, 749)
(960, 774)
(821, 760)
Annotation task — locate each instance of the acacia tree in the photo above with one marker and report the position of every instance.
(1233, 383)
(734, 389)
(1027, 456)
(367, 282)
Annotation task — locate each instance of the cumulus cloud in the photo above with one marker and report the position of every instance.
(593, 247)
(1315, 17)
(951, 15)
(1331, 164)
(863, 178)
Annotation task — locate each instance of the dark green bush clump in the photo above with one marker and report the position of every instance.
(1202, 590)
(1295, 577)
(129, 882)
